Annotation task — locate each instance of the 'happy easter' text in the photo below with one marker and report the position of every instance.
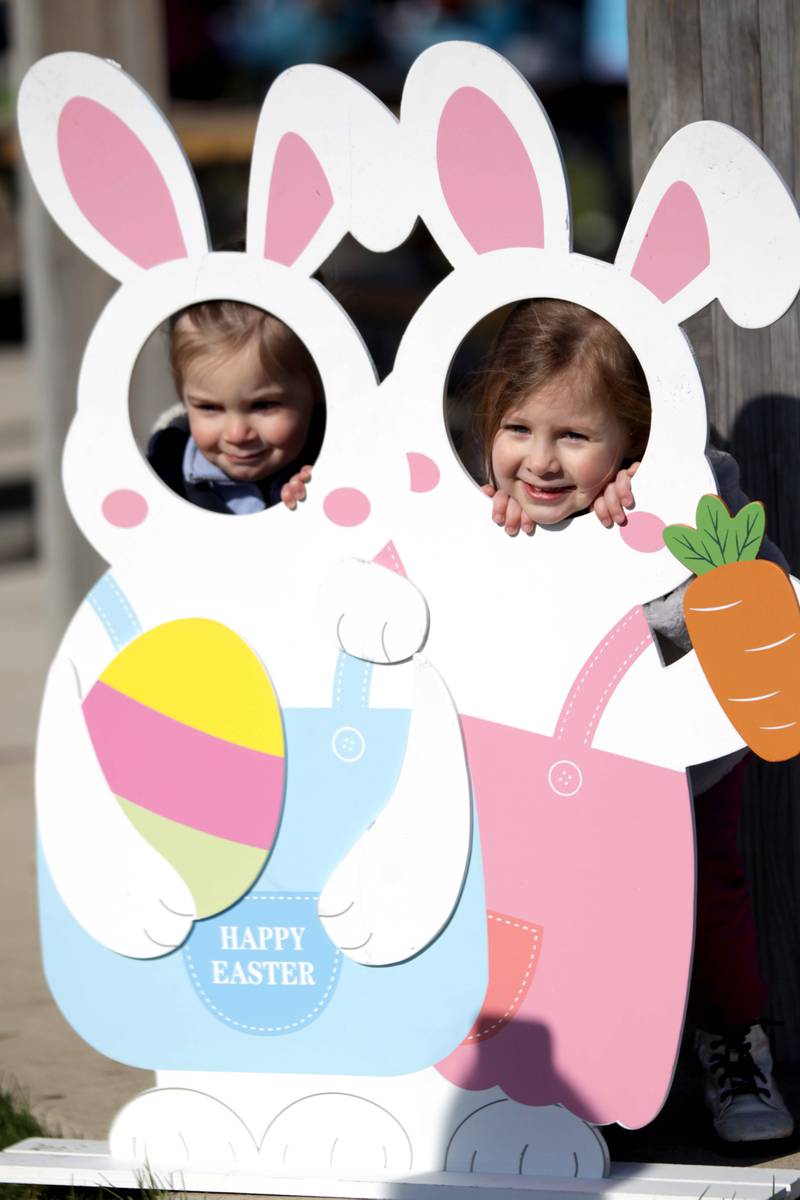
(273, 971)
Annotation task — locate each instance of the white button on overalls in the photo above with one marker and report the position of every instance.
(565, 777)
(348, 743)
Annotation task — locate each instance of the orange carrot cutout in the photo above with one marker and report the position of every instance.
(744, 621)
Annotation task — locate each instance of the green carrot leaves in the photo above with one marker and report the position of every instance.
(748, 530)
(688, 546)
(719, 537)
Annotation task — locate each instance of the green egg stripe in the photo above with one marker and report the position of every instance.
(216, 870)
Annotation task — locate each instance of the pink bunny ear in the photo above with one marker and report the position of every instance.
(487, 178)
(108, 166)
(300, 199)
(676, 247)
(714, 219)
(117, 184)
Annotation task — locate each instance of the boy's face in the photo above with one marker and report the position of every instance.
(247, 422)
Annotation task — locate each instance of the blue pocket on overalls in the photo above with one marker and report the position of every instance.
(266, 965)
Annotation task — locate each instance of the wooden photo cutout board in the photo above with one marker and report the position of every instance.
(363, 825)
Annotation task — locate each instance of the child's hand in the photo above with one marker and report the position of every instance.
(294, 489)
(610, 505)
(507, 512)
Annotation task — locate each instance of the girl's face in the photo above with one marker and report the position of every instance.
(557, 450)
(247, 422)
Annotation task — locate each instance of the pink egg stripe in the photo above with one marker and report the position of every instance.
(180, 773)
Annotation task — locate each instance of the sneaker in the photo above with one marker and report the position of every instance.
(740, 1092)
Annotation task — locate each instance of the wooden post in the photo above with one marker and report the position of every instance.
(64, 291)
(694, 60)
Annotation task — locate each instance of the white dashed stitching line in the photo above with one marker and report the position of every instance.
(484, 1032)
(123, 599)
(337, 683)
(637, 649)
(106, 622)
(601, 649)
(394, 556)
(267, 1028)
(599, 652)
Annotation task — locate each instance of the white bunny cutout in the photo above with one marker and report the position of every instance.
(577, 736)
(109, 879)
(305, 1039)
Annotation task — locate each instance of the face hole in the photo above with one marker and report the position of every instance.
(228, 407)
(547, 402)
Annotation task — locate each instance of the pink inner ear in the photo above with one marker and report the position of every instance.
(117, 184)
(675, 248)
(486, 175)
(300, 199)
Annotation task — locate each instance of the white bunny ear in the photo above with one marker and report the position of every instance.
(108, 166)
(326, 162)
(489, 169)
(715, 219)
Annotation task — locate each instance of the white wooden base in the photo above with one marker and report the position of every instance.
(88, 1164)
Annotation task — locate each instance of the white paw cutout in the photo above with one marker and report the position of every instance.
(396, 889)
(377, 615)
(121, 890)
(174, 1128)
(336, 1134)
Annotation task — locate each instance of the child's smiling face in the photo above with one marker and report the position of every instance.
(556, 450)
(248, 422)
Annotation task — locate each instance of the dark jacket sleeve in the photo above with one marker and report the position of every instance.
(165, 455)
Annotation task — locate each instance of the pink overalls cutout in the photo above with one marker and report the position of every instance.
(589, 866)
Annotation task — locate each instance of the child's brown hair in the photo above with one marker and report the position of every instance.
(538, 341)
(226, 326)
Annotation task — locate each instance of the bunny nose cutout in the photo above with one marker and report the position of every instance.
(346, 506)
(388, 557)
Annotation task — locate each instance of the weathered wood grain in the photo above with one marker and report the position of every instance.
(740, 63)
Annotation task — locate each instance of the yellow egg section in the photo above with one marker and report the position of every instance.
(201, 673)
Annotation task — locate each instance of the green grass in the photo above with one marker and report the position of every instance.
(18, 1122)
(16, 1119)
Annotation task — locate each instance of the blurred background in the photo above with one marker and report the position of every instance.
(615, 85)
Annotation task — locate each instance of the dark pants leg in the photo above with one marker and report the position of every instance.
(728, 987)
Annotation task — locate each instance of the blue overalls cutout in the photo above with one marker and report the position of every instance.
(264, 970)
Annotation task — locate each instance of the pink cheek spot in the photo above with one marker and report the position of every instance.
(124, 508)
(423, 471)
(643, 532)
(346, 506)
